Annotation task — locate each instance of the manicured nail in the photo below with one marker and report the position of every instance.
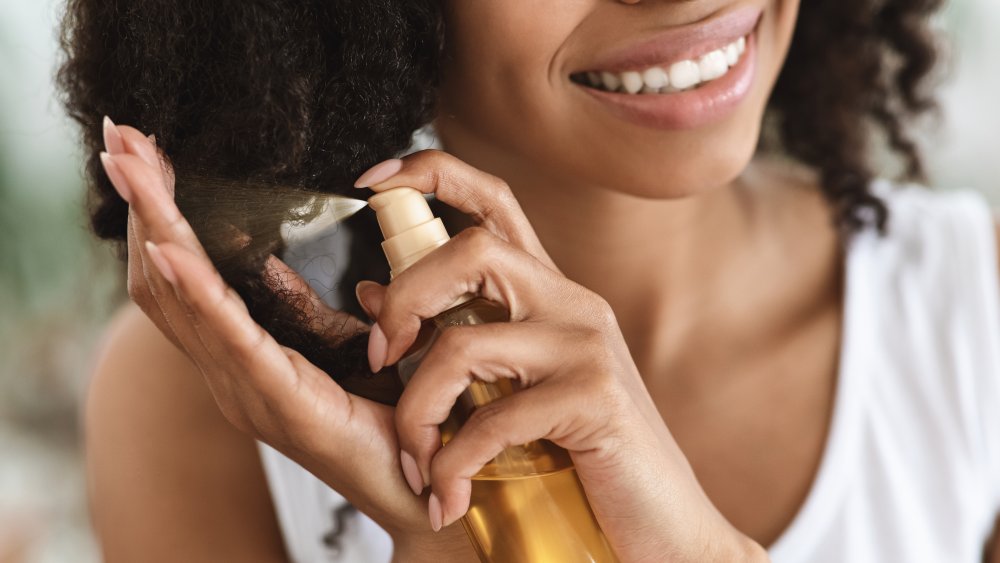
(161, 263)
(361, 300)
(434, 511)
(411, 472)
(117, 178)
(113, 141)
(152, 139)
(379, 173)
(147, 153)
(377, 348)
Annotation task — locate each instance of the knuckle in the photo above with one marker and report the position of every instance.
(433, 162)
(256, 342)
(178, 227)
(443, 467)
(487, 422)
(236, 416)
(604, 386)
(454, 341)
(504, 195)
(406, 415)
(435, 157)
(478, 241)
(599, 310)
(212, 298)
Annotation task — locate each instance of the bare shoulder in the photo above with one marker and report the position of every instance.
(169, 478)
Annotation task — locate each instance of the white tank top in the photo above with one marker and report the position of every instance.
(911, 466)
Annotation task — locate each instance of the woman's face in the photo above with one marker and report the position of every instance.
(519, 91)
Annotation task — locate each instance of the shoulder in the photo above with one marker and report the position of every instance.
(944, 239)
(931, 309)
(169, 477)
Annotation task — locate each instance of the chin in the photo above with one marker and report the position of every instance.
(670, 168)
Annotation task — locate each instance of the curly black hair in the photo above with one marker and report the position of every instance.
(308, 94)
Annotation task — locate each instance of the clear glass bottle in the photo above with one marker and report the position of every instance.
(527, 504)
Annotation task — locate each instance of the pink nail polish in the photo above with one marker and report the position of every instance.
(379, 173)
(377, 348)
(113, 141)
(411, 472)
(161, 263)
(434, 512)
(117, 178)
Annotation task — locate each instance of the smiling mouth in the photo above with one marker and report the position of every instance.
(668, 78)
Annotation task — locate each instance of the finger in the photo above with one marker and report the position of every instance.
(223, 323)
(119, 139)
(145, 287)
(370, 296)
(138, 288)
(143, 187)
(113, 142)
(138, 144)
(477, 262)
(483, 196)
(479, 360)
(507, 422)
(176, 315)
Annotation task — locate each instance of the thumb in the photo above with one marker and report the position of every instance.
(370, 296)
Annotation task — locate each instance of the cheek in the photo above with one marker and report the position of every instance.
(499, 73)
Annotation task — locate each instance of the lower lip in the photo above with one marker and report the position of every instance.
(689, 109)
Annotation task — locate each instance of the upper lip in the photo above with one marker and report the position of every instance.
(683, 42)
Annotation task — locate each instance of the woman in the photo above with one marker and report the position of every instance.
(746, 357)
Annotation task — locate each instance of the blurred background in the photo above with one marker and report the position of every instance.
(58, 286)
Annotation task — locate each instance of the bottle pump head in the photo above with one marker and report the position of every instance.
(410, 229)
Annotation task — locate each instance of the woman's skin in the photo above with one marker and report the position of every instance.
(706, 282)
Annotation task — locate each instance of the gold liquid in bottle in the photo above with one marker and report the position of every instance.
(527, 504)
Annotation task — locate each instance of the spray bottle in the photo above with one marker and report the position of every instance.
(527, 504)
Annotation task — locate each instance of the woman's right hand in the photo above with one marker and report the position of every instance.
(266, 390)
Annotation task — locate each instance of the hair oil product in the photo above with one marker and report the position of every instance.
(527, 504)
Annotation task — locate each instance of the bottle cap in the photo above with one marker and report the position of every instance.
(410, 229)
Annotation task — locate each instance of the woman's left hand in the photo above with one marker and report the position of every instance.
(580, 386)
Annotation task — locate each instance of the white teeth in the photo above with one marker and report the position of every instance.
(712, 65)
(678, 76)
(611, 81)
(684, 74)
(632, 82)
(732, 54)
(655, 78)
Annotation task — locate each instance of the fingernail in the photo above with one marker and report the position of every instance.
(379, 173)
(377, 348)
(411, 472)
(152, 139)
(434, 511)
(362, 301)
(161, 263)
(147, 153)
(113, 142)
(117, 178)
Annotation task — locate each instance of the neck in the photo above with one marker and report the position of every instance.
(658, 263)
